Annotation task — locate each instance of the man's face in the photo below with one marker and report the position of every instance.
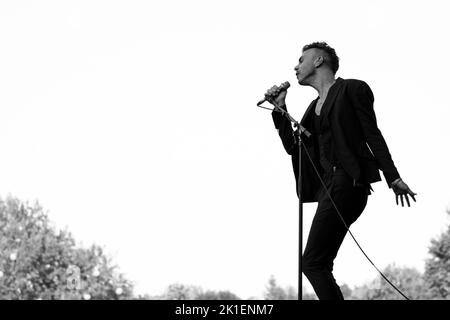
(306, 66)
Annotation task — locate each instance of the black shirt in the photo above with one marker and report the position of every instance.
(322, 137)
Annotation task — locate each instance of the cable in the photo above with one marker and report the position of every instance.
(334, 205)
(345, 224)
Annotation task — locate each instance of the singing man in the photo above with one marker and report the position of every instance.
(348, 150)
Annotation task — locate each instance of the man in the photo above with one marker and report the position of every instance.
(346, 147)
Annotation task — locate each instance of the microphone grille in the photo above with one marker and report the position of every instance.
(285, 85)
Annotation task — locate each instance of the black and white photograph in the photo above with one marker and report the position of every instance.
(245, 151)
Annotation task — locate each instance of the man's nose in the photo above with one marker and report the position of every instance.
(296, 68)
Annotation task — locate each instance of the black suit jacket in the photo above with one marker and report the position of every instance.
(357, 142)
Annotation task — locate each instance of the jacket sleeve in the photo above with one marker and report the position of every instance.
(285, 130)
(362, 99)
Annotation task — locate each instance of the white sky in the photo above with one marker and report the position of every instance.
(135, 124)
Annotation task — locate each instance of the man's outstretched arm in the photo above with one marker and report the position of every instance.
(362, 98)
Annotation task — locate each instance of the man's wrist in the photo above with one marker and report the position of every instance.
(395, 182)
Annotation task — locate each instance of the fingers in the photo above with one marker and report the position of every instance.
(407, 200)
(272, 91)
(411, 193)
(401, 199)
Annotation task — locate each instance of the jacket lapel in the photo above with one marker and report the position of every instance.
(304, 122)
(331, 97)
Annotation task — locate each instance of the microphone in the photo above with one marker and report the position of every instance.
(283, 86)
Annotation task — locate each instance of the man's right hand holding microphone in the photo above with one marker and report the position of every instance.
(276, 95)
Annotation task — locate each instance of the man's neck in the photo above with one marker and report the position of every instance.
(322, 84)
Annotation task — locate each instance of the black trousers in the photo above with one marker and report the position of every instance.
(328, 231)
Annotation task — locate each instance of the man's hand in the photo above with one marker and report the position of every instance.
(401, 189)
(276, 97)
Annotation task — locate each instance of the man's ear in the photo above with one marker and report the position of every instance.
(319, 61)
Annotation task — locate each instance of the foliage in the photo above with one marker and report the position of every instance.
(178, 291)
(38, 262)
(437, 267)
(433, 284)
(275, 292)
(346, 292)
(217, 295)
(408, 280)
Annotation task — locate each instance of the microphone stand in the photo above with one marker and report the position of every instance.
(299, 130)
(300, 211)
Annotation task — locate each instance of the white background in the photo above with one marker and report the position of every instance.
(134, 123)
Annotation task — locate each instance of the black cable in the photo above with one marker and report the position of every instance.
(284, 113)
(348, 229)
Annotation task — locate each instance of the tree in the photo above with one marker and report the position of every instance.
(346, 292)
(408, 280)
(217, 295)
(38, 262)
(437, 267)
(178, 291)
(275, 292)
